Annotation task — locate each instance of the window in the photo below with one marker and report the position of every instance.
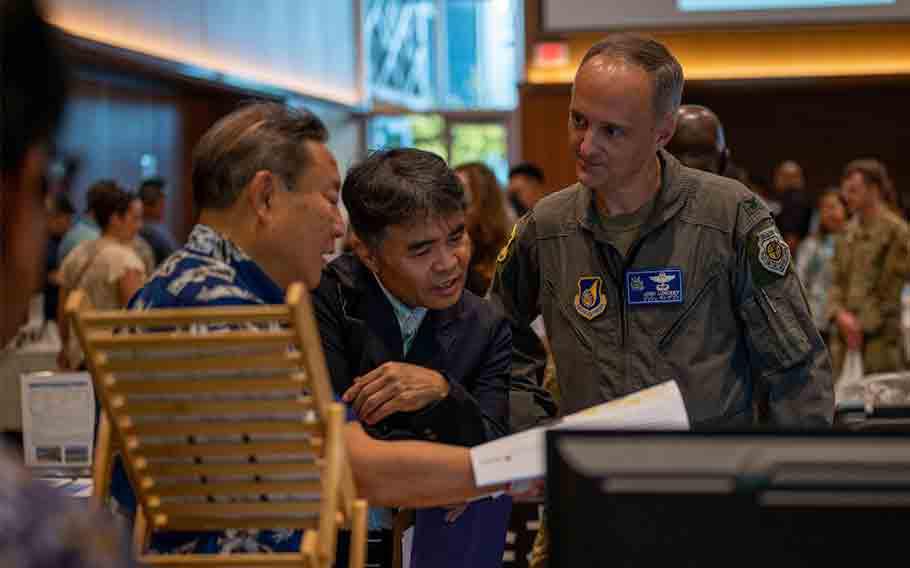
(456, 138)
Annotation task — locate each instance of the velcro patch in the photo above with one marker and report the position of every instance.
(773, 252)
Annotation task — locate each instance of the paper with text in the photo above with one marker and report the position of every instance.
(58, 419)
(521, 456)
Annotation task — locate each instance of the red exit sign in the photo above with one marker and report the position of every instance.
(551, 54)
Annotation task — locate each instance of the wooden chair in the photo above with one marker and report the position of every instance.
(225, 419)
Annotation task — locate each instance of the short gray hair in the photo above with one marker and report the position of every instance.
(258, 136)
(653, 57)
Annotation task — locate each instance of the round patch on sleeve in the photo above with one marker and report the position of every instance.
(773, 252)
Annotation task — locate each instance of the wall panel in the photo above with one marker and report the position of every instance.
(308, 47)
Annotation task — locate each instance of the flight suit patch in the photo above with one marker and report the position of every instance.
(773, 252)
(590, 301)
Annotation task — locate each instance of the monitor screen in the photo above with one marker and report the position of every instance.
(560, 16)
(724, 499)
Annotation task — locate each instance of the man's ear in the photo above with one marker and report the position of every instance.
(666, 126)
(364, 252)
(260, 191)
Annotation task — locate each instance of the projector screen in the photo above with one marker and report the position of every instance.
(581, 15)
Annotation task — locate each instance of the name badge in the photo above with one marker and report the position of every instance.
(660, 286)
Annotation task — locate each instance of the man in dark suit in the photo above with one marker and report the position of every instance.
(417, 356)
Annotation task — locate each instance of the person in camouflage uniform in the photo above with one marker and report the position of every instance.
(871, 265)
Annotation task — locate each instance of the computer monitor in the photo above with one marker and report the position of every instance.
(726, 499)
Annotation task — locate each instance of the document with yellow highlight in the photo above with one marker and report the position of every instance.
(521, 456)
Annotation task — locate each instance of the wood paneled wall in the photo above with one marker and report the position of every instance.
(114, 116)
(820, 123)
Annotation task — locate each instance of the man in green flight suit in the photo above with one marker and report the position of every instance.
(647, 271)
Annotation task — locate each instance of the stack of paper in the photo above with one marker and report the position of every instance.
(521, 456)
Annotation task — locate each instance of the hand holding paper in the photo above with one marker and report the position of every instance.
(520, 456)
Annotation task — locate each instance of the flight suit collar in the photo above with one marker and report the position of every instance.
(673, 194)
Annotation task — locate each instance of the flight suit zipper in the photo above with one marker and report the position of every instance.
(678, 324)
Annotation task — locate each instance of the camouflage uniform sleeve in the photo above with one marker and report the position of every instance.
(515, 291)
(786, 352)
(884, 305)
(838, 279)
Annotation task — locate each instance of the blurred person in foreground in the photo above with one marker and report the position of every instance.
(487, 223)
(39, 528)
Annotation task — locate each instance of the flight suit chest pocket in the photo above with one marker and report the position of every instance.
(773, 331)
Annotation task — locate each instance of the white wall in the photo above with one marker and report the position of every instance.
(306, 46)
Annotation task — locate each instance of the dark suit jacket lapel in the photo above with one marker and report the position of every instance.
(383, 342)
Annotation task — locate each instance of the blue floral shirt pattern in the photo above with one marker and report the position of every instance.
(209, 270)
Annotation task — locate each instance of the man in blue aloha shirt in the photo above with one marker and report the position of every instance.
(266, 187)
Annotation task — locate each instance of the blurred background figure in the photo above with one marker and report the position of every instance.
(60, 213)
(488, 223)
(38, 527)
(699, 140)
(814, 261)
(871, 265)
(108, 269)
(154, 232)
(86, 226)
(526, 187)
(789, 192)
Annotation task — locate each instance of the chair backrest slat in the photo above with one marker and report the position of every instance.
(189, 316)
(188, 407)
(237, 488)
(186, 429)
(239, 448)
(292, 385)
(275, 360)
(225, 416)
(110, 340)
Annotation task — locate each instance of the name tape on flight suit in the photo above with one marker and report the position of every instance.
(660, 286)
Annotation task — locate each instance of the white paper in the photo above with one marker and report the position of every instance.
(58, 419)
(521, 456)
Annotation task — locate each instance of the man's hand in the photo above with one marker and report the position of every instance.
(851, 329)
(395, 387)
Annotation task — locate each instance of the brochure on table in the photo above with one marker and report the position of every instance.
(521, 456)
(58, 420)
